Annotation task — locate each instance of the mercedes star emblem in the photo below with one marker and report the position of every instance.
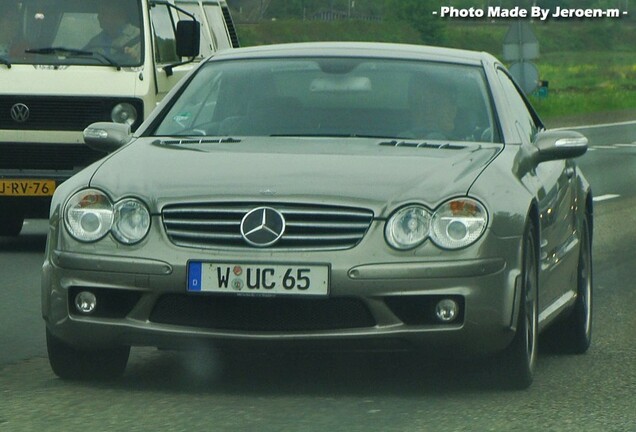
(262, 226)
(20, 113)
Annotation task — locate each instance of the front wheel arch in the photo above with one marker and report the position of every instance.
(519, 359)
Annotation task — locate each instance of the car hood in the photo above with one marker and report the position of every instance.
(369, 173)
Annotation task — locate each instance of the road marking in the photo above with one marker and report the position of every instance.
(613, 146)
(605, 197)
(596, 126)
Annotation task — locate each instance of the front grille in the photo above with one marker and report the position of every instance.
(62, 113)
(262, 313)
(34, 156)
(307, 227)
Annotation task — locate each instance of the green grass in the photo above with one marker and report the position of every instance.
(590, 66)
(587, 82)
(589, 70)
(570, 103)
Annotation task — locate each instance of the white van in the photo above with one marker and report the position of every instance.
(63, 68)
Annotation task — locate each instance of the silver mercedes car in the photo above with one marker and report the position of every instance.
(325, 196)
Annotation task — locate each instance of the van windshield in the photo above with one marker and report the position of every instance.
(69, 32)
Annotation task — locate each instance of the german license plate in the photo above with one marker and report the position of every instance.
(258, 279)
(26, 187)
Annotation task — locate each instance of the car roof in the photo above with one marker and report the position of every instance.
(358, 49)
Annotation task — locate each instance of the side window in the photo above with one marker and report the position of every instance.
(207, 45)
(527, 123)
(217, 26)
(164, 35)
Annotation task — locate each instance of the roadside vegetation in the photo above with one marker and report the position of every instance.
(590, 65)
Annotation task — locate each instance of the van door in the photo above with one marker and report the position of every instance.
(165, 49)
(217, 32)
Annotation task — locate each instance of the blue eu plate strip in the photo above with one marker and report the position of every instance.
(194, 276)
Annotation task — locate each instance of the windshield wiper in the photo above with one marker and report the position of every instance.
(314, 135)
(373, 136)
(73, 52)
(333, 135)
(57, 50)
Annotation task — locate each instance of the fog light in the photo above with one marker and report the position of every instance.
(85, 302)
(446, 310)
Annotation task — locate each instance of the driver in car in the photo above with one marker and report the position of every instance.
(119, 40)
(433, 109)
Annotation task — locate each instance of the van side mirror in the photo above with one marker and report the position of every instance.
(188, 38)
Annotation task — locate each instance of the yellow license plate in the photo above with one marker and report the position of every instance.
(26, 187)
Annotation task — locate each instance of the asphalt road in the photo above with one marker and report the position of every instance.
(167, 391)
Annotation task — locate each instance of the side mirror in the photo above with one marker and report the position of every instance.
(107, 137)
(188, 38)
(555, 145)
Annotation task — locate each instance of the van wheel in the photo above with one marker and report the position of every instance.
(520, 358)
(11, 224)
(71, 363)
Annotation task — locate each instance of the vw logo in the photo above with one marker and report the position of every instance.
(20, 112)
(262, 226)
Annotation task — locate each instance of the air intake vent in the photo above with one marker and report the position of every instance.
(230, 26)
(200, 141)
(307, 227)
(422, 144)
(262, 314)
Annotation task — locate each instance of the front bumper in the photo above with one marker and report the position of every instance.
(378, 298)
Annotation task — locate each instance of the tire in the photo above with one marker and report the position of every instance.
(70, 363)
(573, 335)
(11, 224)
(520, 358)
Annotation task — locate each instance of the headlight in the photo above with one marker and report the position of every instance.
(408, 227)
(131, 222)
(88, 215)
(124, 113)
(458, 223)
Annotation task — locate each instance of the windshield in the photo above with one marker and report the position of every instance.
(64, 32)
(334, 97)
